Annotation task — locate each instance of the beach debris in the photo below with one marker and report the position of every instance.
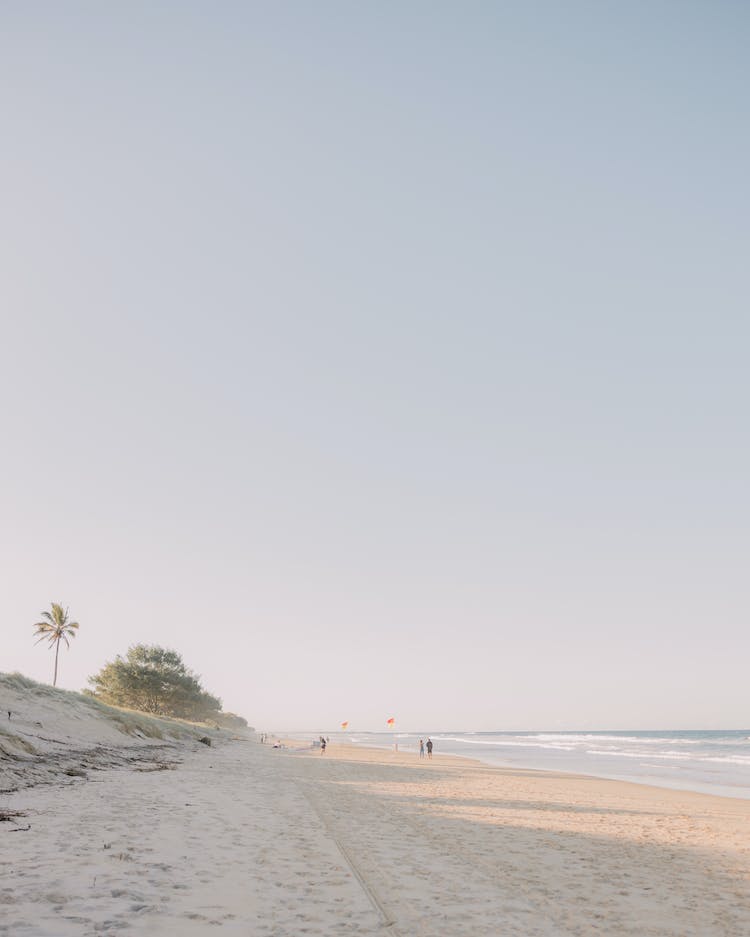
(205, 740)
(75, 773)
(10, 815)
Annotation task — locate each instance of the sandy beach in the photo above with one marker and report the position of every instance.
(239, 838)
(375, 370)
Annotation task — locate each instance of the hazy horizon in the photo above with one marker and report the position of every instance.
(382, 360)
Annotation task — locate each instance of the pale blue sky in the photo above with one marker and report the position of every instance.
(382, 359)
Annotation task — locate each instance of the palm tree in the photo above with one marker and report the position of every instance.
(55, 628)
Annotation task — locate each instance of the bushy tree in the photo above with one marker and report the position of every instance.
(230, 720)
(155, 680)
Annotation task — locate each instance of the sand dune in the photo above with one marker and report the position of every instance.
(244, 839)
(47, 735)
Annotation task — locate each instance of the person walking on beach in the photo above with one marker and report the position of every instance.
(421, 748)
(322, 745)
(429, 748)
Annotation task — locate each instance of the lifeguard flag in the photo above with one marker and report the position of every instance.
(344, 725)
(390, 722)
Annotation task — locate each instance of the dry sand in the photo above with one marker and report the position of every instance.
(243, 839)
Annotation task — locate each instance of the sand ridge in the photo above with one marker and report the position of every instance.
(48, 736)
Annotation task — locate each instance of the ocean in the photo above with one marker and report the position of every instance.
(710, 761)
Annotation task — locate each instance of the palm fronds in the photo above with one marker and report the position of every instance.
(55, 627)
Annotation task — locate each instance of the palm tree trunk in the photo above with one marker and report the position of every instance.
(57, 651)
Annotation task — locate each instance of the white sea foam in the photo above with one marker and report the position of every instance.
(495, 742)
(669, 756)
(618, 739)
(736, 760)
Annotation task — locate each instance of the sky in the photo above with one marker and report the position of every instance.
(383, 359)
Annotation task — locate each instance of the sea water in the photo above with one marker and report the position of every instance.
(711, 761)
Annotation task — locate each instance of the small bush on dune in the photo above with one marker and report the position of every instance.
(229, 720)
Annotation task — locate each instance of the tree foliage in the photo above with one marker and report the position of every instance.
(154, 680)
(55, 627)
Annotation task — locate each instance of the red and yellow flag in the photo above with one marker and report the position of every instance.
(344, 725)
(390, 722)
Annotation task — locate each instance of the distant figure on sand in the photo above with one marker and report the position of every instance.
(421, 748)
(322, 745)
(429, 748)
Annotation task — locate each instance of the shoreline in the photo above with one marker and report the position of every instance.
(725, 789)
(716, 790)
(447, 759)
